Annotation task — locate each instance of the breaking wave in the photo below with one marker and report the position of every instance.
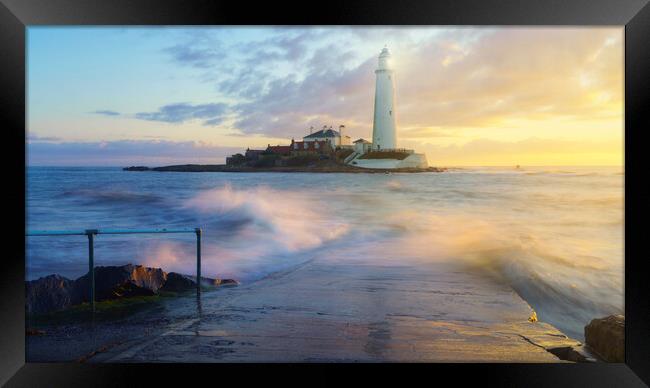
(568, 285)
(556, 236)
(249, 233)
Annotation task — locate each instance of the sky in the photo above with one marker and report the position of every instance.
(466, 96)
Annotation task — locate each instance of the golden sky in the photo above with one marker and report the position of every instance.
(465, 96)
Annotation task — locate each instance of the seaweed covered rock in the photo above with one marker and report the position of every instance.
(55, 293)
(177, 283)
(124, 281)
(226, 282)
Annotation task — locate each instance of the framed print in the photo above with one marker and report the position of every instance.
(211, 185)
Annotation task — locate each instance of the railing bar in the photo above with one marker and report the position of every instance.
(91, 251)
(117, 231)
(105, 231)
(55, 233)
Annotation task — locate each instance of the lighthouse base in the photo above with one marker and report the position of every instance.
(411, 161)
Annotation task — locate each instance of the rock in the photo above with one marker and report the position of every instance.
(218, 282)
(50, 293)
(115, 282)
(55, 293)
(177, 283)
(136, 168)
(226, 282)
(606, 337)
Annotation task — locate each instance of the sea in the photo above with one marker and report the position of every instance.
(554, 234)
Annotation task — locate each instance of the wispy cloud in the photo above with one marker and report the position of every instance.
(213, 114)
(202, 57)
(126, 153)
(33, 137)
(106, 112)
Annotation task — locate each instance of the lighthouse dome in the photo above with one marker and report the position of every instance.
(384, 59)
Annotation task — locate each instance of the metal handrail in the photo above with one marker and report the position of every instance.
(91, 248)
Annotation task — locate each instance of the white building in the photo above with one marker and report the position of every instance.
(328, 134)
(383, 149)
(384, 134)
(362, 146)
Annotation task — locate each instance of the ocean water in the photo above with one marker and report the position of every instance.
(555, 234)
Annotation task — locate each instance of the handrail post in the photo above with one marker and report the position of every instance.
(91, 265)
(198, 260)
(90, 233)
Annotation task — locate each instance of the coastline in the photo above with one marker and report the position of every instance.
(324, 311)
(351, 290)
(333, 168)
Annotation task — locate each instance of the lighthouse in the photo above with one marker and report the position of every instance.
(384, 135)
(384, 130)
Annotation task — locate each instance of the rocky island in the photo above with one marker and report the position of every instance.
(312, 168)
(323, 159)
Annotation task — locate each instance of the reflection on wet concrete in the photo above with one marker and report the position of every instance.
(347, 312)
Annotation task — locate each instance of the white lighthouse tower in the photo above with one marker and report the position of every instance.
(384, 135)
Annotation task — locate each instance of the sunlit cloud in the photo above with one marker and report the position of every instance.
(455, 86)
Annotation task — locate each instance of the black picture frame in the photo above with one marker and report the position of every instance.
(16, 15)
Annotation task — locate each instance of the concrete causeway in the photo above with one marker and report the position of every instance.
(326, 311)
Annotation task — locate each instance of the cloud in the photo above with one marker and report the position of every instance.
(33, 137)
(530, 151)
(106, 112)
(426, 132)
(510, 74)
(126, 153)
(326, 96)
(452, 83)
(182, 112)
(203, 57)
(459, 77)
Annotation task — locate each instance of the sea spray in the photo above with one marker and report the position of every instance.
(275, 229)
(287, 219)
(566, 285)
(554, 234)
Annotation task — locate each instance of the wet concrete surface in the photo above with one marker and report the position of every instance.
(343, 312)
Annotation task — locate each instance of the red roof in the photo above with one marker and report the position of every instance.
(279, 149)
